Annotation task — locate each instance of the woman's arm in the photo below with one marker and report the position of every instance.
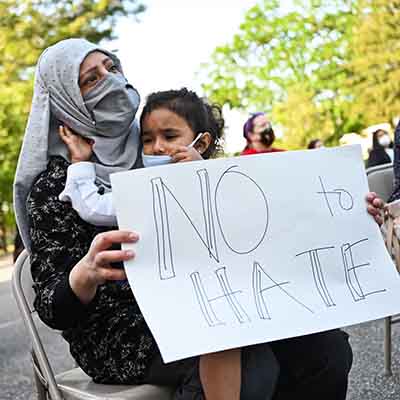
(81, 191)
(54, 251)
(67, 265)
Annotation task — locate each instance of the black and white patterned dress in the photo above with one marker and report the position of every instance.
(108, 337)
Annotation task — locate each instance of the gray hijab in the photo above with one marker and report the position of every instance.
(57, 98)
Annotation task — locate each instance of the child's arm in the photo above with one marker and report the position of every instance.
(83, 194)
(80, 188)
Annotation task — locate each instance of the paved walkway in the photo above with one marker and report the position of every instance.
(6, 268)
(367, 380)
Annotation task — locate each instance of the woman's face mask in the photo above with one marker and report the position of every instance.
(384, 140)
(267, 136)
(112, 103)
(155, 161)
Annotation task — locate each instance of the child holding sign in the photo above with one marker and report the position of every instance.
(178, 126)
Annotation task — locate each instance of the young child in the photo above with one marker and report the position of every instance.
(176, 126)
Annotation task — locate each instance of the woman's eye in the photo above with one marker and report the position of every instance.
(146, 140)
(90, 80)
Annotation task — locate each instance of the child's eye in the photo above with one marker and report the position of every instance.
(170, 134)
(146, 140)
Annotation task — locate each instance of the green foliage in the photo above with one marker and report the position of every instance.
(374, 81)
(27, 27)
(304, 120)
(292, 64)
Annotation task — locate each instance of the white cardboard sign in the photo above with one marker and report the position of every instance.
(252, 249)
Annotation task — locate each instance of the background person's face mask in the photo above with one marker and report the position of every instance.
(113, 103)
(384, 141)
(154, 161)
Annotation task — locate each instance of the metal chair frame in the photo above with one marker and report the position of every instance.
(381, 181)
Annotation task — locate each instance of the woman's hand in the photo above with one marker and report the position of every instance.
(183, 153)
(94, 269)
(375, 207)
(80, 148)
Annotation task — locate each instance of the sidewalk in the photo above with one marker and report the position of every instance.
(6, 267)
(367, 379)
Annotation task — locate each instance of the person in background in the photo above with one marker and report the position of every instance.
(381, 152)
(315, 144)
(259, 135)
(392, 206)
(396, 166)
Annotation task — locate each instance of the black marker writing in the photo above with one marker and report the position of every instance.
(318, 274)
(344, 198)
(258, 290)
(350, 271)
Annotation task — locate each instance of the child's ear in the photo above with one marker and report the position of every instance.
(204, 142)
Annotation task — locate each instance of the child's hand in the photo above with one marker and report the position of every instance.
(183, 153)
(80, 148)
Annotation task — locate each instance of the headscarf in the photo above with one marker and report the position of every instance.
(57, 97)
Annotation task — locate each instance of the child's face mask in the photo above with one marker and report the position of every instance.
(154, 161)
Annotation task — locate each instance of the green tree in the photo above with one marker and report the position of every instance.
(303, 118)
(27, 27)
(281, 60)
(375, 66)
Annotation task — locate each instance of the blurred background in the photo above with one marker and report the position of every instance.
(319, 69)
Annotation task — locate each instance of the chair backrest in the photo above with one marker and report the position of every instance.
(381, 180)
(24, 296)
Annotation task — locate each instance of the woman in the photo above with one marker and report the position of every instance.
(77, 289)
(82, 86)
(380, 153)
(259, 135)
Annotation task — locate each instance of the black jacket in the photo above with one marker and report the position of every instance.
(108, 337)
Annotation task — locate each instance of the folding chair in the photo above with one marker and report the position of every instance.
(381, 181)
(73, 384)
